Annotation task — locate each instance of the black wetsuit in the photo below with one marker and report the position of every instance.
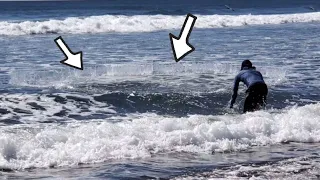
(257, 89)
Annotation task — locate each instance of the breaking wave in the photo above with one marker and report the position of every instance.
(145, 23)
(147, 134)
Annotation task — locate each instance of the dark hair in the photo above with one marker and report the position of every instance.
(246, 63)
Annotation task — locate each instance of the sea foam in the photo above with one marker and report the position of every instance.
(145, 23)
(144, 135)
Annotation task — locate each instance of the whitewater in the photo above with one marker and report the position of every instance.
(145, 135)
(145, 23)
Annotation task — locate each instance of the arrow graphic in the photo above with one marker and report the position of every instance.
(72, 59)
(181, 46)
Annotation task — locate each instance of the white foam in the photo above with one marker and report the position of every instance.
(145, 23)
(22, 102)
(296, 168)
(141, 135)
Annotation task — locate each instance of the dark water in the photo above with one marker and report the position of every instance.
(61, 9)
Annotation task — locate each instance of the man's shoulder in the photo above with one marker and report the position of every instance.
(248, 70)
(242, 72)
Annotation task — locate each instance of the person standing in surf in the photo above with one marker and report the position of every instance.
(256, 94)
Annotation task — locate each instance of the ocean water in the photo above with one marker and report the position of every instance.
(134, 113)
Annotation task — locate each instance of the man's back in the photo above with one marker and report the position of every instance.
(249, 77)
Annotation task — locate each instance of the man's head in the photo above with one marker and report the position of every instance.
(246, 64)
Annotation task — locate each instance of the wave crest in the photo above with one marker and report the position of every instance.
(145, 23)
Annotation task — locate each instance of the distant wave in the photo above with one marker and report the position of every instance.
(145, 23)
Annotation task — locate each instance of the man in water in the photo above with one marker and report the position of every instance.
(257, 89)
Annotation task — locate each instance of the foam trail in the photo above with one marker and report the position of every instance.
(145, 23)
(108, 72)
(141, 135)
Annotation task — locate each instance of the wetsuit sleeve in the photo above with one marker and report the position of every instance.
(235, 90)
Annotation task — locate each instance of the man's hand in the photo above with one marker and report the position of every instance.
(231, 103)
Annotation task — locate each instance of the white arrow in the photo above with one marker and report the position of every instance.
(180, 46)
(72, 59)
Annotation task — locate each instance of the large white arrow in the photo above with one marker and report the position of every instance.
(181, 46)
(72, 59)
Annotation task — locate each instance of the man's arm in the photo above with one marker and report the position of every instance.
(235, 90)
